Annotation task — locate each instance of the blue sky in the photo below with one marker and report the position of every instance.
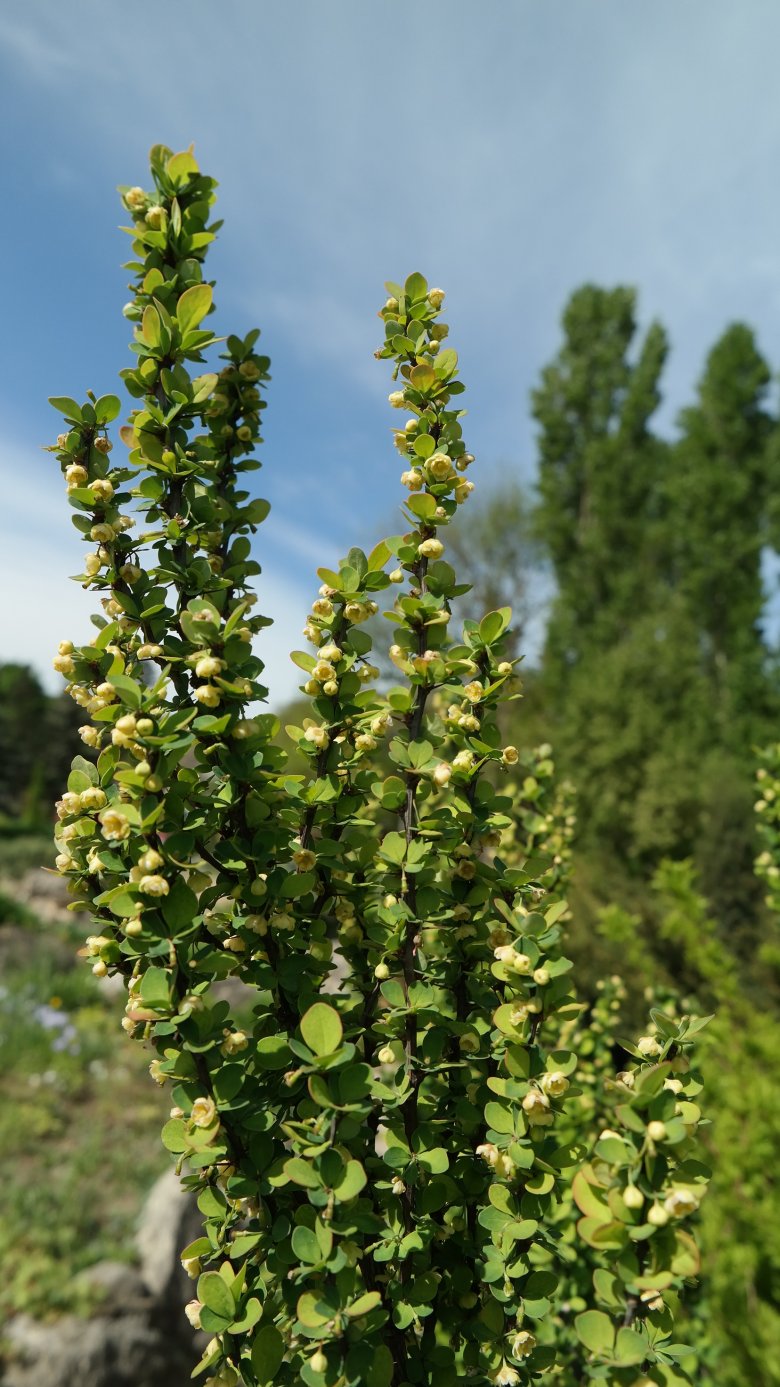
(509, 149)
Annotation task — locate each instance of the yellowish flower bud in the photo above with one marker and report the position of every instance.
(323, 669)
(439, 467)
(523, 1343)
(413, 480)
(317, 736)
(102, 533)
(633, 1197)
(510, 756)
(114, 825)
(203, 1112)
(442, 773)
(679, 1203)
(397, 399)
(648, 1046)
(657, 1215)
(208, 665)
(536, 1106)
(358, 611)
(101, 489)
(207, 694)
(464, 761)
(554, 1084)
(135, 199)
(381, 972)
(436, 297)
(192, 1310)
(430, 549)
(304, 859)
(656, 1131)
(153, 885)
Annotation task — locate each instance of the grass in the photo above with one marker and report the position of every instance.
(79, 1121)
(22, 852)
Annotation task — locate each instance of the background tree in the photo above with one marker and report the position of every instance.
(38, 738)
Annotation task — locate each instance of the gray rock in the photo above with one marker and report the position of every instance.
(126, 1351)
(169, 1221)
(138, 1335)
(116, 1288)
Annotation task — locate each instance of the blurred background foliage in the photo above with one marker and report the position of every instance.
(636, 568)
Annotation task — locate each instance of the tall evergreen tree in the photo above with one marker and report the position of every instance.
(655, 669)
(717, 505)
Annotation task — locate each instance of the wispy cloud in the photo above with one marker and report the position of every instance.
(28, 48)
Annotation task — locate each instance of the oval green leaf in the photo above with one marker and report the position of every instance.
(321, 1028)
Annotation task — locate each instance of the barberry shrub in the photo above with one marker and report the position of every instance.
(351, 977)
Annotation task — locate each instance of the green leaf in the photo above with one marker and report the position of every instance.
(630, 1346)
(180, 167)
(87, 768)
(596, 1331)
(214, 1293)
(393, 848)
(435, 1161)
(378, 556)
(273, 1052)
(423, 505)
(155, 989)
(107, 408)
(306, 1246)
(321, 1028)
(494, 624)
(151, 326)
(257, 510)
(422, 378)
(364, 1304)
(65, 405)
(174, 1135)
(352, 1182)
(446, 363)
(128, 690)
(193, 306)
(249, 1317)
(424, 446)
(267, 1354)
(180, 906)
(302, 1173)
(499, 1117)
(308, 1312)
(416, 287)
(380, 1374)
